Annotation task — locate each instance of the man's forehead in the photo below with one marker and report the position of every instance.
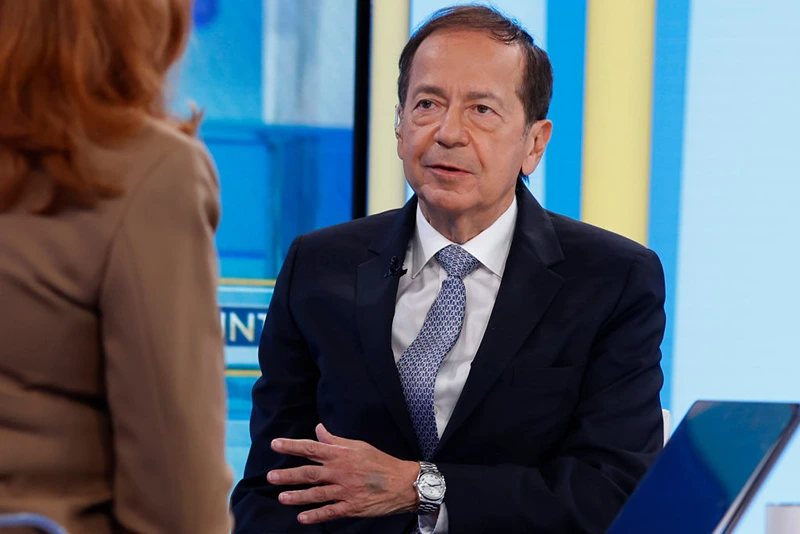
(467, 61)
(444, 40)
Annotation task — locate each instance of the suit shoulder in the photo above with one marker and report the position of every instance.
(358, 232)
(337, 250)
(159, 149)
(580, 240)
(163, 138)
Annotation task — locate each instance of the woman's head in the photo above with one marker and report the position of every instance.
(75, 70)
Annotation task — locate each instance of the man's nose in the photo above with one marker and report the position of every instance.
(451, 131)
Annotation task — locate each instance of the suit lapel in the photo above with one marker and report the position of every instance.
(527, 289)
(376, 294)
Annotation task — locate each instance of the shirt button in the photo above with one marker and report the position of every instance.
(435, 411)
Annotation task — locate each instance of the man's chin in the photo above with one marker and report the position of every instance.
(448, 201)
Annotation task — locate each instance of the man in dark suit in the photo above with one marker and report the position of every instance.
(470, 362)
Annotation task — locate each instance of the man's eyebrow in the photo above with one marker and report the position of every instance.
(471, 95)
(482, 95)
(429, 89)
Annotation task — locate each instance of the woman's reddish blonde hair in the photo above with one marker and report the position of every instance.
(81, 70)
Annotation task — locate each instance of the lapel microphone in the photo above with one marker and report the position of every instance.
(395, 268)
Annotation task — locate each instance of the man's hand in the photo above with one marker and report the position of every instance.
(355, 477)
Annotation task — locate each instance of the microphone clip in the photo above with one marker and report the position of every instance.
(395, 268)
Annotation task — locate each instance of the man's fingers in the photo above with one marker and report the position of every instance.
(305, 474)
(327, 513)
(324, 436)
(307, 448)
(318, 494)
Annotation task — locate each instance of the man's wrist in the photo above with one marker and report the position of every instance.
(410, 495)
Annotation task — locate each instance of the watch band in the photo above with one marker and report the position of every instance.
(426, 508)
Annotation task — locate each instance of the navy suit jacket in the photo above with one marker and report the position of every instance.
(559, 418)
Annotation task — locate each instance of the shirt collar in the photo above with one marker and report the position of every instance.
(490, 247)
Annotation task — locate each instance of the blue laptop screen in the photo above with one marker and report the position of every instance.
(707, 467)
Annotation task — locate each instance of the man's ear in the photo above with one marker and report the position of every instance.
(398, 117)
(398, 120)
(536, 140)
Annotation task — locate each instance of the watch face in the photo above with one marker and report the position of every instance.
(431, 486)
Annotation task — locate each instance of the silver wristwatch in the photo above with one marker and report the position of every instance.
(430, 488)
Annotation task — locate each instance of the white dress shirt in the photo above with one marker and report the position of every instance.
(415, 295)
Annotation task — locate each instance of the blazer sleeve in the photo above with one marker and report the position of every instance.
(284, 405)
(164, 367)
(615, 435)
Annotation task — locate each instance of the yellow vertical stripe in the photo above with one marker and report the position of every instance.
(385, 180)
(616, 146)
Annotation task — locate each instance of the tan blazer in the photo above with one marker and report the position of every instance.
(112, 397)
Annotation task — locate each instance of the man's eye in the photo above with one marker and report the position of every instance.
(483, 110)
(425, 104)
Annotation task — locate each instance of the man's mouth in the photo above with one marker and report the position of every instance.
(447, 168)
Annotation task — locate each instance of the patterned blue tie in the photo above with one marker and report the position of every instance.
(420, 362)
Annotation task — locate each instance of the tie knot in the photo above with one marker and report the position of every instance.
(456, 261)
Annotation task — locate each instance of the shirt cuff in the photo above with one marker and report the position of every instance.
(436, 523)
